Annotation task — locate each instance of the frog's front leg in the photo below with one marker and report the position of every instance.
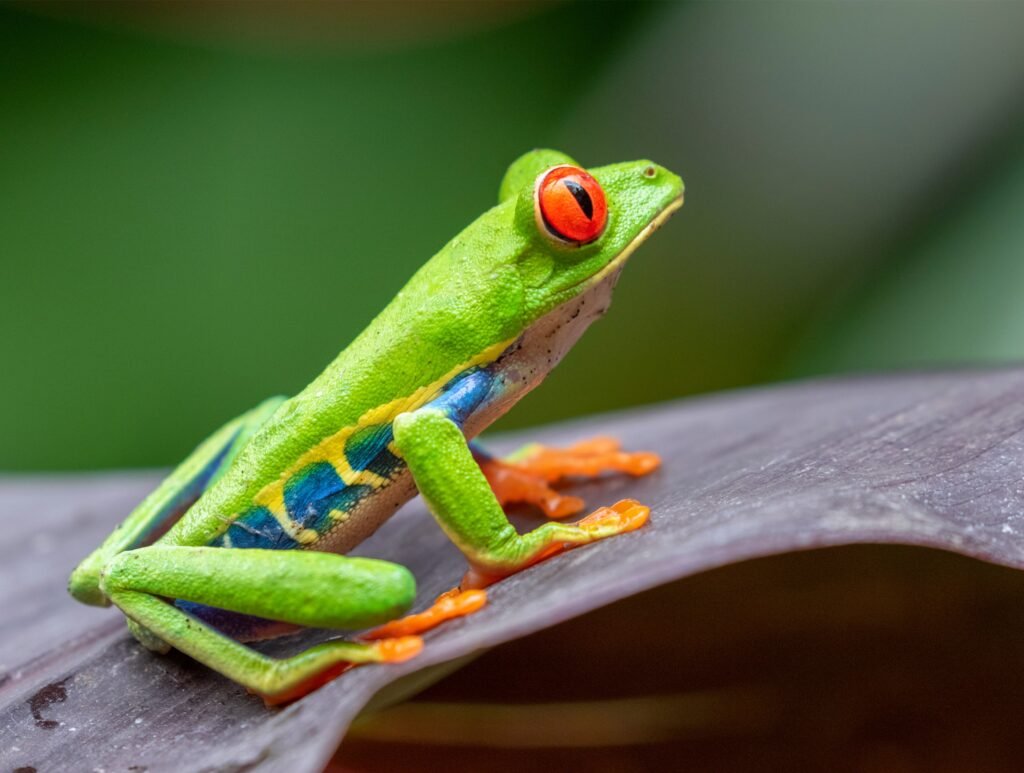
(527, 474)
(459, 496)
(305, 588)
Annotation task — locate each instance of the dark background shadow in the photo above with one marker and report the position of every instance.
(868, 658)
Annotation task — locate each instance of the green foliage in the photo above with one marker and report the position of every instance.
(188, 225)
(954, 295)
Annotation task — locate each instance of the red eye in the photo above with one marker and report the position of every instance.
(570, 204)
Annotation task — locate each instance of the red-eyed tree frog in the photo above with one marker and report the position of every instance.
(246, 538)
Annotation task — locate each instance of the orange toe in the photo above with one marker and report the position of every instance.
(449, 605)
(624, 516)
(399, 648)
(587, 459)
(526, 476)
(511, 484)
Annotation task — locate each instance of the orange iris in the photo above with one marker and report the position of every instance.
(571, 204)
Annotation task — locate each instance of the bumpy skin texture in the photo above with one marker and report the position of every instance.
(453, 351)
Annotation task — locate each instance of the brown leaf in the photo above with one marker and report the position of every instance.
(928, 459)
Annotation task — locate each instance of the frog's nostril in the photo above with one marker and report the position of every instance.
(650, 171)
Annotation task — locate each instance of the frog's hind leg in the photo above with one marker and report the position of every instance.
(527, 475)
(301, 587)
(170, 499)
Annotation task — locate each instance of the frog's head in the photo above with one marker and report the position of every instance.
(579, 226)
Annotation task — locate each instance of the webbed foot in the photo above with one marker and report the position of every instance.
(526, 476)
(624, 516)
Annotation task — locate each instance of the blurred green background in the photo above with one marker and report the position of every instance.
(196, 198)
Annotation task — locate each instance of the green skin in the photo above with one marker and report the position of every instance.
(502, 280)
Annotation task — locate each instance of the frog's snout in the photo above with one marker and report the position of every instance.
(670, 184)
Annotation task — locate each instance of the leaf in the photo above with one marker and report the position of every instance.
(926, 459)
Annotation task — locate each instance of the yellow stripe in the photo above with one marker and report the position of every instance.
(290, 527)
(332, 451)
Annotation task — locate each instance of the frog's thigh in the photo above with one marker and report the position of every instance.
(461, 500)
(302, 587)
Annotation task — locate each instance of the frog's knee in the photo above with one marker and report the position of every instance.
(394, 591)
(84, 583)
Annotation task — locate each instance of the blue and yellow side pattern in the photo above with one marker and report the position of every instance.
(324, 486)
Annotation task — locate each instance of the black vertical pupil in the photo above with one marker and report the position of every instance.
(582, 197)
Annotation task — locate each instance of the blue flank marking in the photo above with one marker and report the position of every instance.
(464, 394)
(257, 528)
(234, 624)
(367, 449)
(315, 491)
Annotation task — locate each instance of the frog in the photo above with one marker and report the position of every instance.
(248, 538)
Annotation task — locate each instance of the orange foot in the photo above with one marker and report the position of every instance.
(450, 604)
(526, 475)
(624, 516)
